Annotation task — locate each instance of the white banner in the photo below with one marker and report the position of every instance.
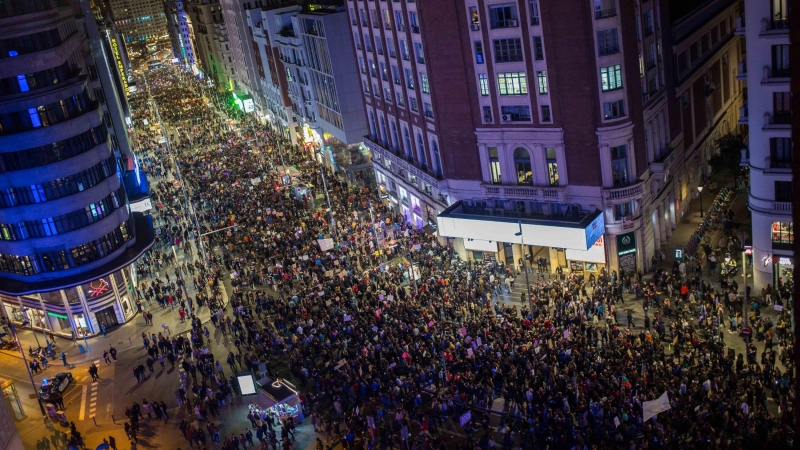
(325, 244)
(653, 407)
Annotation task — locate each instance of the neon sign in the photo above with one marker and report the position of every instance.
(98, 288)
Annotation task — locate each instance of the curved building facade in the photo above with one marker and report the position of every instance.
(65, 223)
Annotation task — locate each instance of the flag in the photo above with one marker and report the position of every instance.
(653, 407)
(625, 382)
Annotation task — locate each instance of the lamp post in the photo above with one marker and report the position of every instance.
(327, 196)
(527, 281)
(700, 196)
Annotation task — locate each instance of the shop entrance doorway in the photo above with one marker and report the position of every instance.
(107, 317)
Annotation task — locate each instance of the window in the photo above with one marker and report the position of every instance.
(483, 80)
(474, 19)
(390, 47)
(783, 233)
(387, 94)
(538, 48)
(622, 211)
(503, 16)
(534, 7)
(612, 110)
(357, 40)
(387, 19)
(418, 52)
(607, 42)
(780, 60)
(780, 152)
(379, 45)
(650, 56)
(404, 49)
(546, 113)
(412, 21)
(619, 165)
(541, 78)
(516, 113)
(611, 78)
(398, 19)
(494, 165)
(427, 109)
(421, 150)
(396, 75)
(368, 43)
(647, 18)
(414, 106)
(781, 107)
(487, 114)
(372, 68)
(401, 101)
(522, 161)
(384, 74)
(783, 191)
(478, 52)
(512, 83)
(552, 166)
(409, 78)
(507, 50)
(423, 79)
(362, 65)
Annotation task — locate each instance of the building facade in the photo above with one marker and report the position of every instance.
(205, 18)
(765, 25)
(416, 96)
(67, 234)
(139, 20)
(181, 34)
(560, 120)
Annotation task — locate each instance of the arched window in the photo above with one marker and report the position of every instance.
(395, 142)
(522, 161)
(421, 151)
(407, 142)
(437, 163)
(372, 129)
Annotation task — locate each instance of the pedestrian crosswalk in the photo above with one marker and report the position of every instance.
(89, 398)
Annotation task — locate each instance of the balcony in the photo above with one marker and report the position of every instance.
(775, 76)
(777, 166)
(739, 31)
(741, 72)
(769, 206)
(555, 194)
(777, 121)
(774, 27)
(664, 163)
(623, 194)
(605, 13)
(398, 161)
(743, 115)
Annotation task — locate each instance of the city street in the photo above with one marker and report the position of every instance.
(374, 358)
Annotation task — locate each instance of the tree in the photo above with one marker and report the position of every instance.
(728, 154)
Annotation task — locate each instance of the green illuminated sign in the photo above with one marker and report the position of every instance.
(60, 316)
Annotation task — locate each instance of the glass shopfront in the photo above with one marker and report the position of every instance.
(101, 305)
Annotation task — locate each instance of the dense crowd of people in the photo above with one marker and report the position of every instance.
(562, 365)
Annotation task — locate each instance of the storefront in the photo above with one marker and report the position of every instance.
(480, 251)
(84, 310)
(782, 269)
(588, 262)
(12, 398)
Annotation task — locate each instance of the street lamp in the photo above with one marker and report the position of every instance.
(527, 282)
(700, 196)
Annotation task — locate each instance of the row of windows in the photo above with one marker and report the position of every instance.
(47, 115)
(58, 188)
(75, 220)
(37, 80)
(57, 260)
(30, 43)
(524, 166)
(54, 152)
(11, 8)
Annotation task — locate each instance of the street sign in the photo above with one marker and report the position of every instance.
(465, 418)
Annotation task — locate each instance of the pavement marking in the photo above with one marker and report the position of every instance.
(83, 403)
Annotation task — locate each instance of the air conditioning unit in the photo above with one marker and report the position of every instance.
(475, 27)
(513, 23)
(506, 118)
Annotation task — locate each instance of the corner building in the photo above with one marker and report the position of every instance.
(556, 118)
(67, 235)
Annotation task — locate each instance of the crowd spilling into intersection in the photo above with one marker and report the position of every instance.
(564, 366)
